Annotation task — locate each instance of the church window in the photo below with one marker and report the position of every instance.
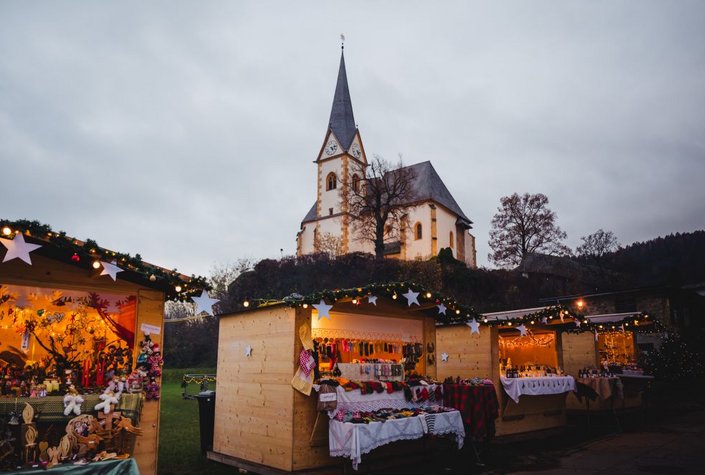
(331, 182)
(418, 231)
(452, 240)
(356, 183)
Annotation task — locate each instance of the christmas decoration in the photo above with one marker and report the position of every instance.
(522, 329)
(441, 309)
(72, 402)
(248, 351)
(412, 297)
(444, 357)
(17, 248)
(372, 299)
(204, 303)
(323, 309)
(109, 268)
(474, 326)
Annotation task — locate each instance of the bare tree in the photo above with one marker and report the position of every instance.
(378, 197)
(597, 244)
(330, 244)
(524, 225)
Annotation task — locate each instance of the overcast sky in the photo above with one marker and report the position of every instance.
(186, 131)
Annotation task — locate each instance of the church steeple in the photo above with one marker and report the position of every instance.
(342, 121)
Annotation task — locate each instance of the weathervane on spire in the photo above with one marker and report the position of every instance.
(342, 41)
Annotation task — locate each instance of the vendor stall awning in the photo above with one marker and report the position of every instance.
(511, 314)
(612, 317)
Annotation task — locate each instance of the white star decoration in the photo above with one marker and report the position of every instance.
(522, 329)
(444, 356)
(204, 303)
(248, 350)
(596, 337)
(577, 323)
(474, 326)
(323, 309)
(372, 299)
(544, 320)
(441, 309)
(17, 248)
(110, 269)
(412, 297)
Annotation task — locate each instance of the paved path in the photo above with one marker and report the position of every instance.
(673, 447)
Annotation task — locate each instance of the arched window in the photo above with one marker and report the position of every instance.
(356, 183)
(418, 231)
(331, 182)
(452, 241)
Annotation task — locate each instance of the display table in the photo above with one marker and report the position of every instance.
(51, 408)
(517, 387)
(604, 387)
(352, 441)
(107, 467)
(354, 400)
(478, 406)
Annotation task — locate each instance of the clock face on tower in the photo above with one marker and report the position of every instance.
(331, 147)
(356, 151)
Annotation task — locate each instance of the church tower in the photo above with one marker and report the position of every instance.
(340, 162)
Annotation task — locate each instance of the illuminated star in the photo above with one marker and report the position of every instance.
(248, 350)
(372, 299)
(204, 303)
(444, 356)
(577, 323)
(110, 269)
(412, 297)
(522, 329)
(474, 326)
(323, 309)
(441, 309)
(17, 248)
(544, 320)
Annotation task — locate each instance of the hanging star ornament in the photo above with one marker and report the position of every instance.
(17, 248)
(110, 269)
(323, 309)
(441, 309)
(372, 299)
(474, 326)
(248, 351)
(522, 329)
(577, 323)
(544, 320)
(204, 303)
(444, 356)
(412, 297)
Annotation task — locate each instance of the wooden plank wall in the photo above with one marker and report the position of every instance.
(254, 397)
(150, 310)
(579, 351)
(469, 355)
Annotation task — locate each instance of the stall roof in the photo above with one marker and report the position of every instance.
(511, 314)
(612, 317)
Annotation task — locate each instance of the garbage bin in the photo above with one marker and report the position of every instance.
(206, 416)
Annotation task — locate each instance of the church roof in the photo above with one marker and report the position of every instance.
(429, 186)
(342, 121)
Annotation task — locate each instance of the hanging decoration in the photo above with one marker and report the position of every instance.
(522, 329)
(372, 299)
(412, 297)
(204, 303)
(18, 248)
(111, 269)
(86, 254)
(474, 326)
(323, 309)
(441, 309)
(444, 357)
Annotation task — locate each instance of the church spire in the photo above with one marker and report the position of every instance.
(342, 121)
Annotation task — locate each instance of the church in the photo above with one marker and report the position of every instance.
(432, 221)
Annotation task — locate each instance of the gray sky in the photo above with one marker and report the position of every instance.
(186, 131)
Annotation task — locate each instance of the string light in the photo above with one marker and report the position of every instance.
(246, 303)
(96, 264)
(177, 288)
(6, 231)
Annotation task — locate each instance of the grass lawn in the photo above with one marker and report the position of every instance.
(179, 435)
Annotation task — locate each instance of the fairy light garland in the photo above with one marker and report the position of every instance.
(89, 254)
(559, 316)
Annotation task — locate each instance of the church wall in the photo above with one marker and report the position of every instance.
(445, 223)
(306, 238)
(419, 248)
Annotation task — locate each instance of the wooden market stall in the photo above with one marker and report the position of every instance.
(519, 351)
(364, 343)
(604, 363)
(75, 321)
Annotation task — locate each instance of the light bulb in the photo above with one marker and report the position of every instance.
(96, 264)
(6, 231)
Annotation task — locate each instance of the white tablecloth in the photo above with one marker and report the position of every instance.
(354, 440)
(516, 387)
(356, 401)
